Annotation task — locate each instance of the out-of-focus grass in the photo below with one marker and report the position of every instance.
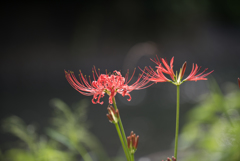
(67, 139)
(35, 147)
(213, 129)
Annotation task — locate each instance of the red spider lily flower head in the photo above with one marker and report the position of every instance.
(106, 83)
(132, 142)
(239, 83)
(158, 75)
(193, 76)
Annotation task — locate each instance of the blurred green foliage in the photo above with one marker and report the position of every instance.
(212, 132)
(67, 139)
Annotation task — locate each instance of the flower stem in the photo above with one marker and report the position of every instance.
(132, 157)
(121, 139)
(177, 121)
(123, 135)
(84, 154)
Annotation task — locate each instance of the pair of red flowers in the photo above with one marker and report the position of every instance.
(114, 83)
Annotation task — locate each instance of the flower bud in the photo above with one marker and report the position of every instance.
(183, 69)
(173, 159)
(113, 115)
(132, 141)
(239, 83)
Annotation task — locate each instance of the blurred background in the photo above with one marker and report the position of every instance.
(40, 40)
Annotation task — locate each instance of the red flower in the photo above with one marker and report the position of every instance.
(193, 77)
(158, 75)
(104, 83)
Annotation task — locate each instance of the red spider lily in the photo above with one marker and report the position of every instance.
(106, 83)
(168, 69)
(158, 75)
(193, 77)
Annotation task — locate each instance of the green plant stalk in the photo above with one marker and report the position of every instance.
(216, 89)
(132, 157)
(177, 121)
(122, 129)
(120, 123)
(85, 155)
(121, 139)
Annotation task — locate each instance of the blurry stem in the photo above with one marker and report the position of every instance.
(177, 121)
(82, 151)
(32, 147)
(227, 115)
(122, 130)
(101, 152)
(216, 89)
(121, 139)
(132, 157)
(120, 123)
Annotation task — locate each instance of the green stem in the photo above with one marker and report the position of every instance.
(132, 157)
(122, 132)
(177, 121)
(85, 155)
(121, 139)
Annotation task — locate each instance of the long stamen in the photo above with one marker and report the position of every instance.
(131, 76)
